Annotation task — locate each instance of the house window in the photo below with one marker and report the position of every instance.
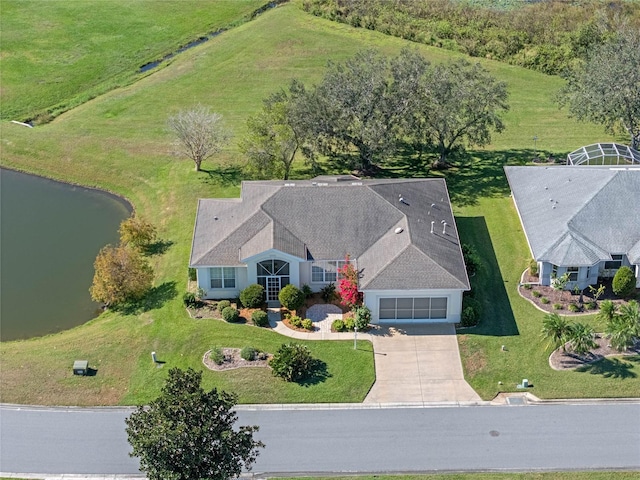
(326, 271)
(554, 271)
(413, 308)
(615, 262)
(223, 277)
(573, 273)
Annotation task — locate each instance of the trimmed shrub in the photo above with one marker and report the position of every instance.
(292, 362)
(189, 300)
(222, 304)
(193, 276)
(291, 297)
(349, 323)
(557, 306)
(624, 282)
(338, 326)
(527, 286)
(544, 300)
(306, 289)
(536, 294)
(252, 296)
(469, 317)
(533, 267)
(216, 355)
(260, 318)
(573, 307)
(230, 314)
(592, 305)
(295, 321)
(248, 353)
(307, 324)
(362, 317)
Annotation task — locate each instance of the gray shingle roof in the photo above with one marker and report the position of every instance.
(578, 215)
(329, 217)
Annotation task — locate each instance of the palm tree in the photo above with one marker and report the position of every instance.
(623, 330)
(581, 338)
(608, 310)
(556, 329)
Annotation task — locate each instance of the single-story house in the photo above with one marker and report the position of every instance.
(580, 220)
(399, 233)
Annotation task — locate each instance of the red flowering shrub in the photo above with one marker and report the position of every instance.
(348, 285)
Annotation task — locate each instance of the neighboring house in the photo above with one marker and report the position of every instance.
(580, 220)
(400, 234)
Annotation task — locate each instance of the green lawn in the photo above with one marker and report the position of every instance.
(119, 142)
(56, 55)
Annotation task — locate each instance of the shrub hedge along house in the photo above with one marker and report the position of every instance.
(399, 233)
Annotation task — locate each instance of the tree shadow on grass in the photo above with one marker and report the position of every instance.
(318, 374)
(157, 248)
(488, 285)
(223, 175)
(155, 298)
(612, 367)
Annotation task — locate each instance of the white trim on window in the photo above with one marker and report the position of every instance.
(326, 271)
(222, 277)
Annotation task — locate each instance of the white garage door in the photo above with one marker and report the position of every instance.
(414, 308)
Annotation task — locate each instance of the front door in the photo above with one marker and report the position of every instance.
(273, 288)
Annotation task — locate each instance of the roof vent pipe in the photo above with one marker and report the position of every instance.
(444, 228)
(432, 222)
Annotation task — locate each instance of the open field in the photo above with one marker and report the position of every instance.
(56, 55)
(119, 142)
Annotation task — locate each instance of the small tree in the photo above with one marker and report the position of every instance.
(559, 283)
(596, 293)
(556, 329)
(292, 362)
(348, 285)
(291, 297)
(608, 310)
(361, 317)
(137, 232)
(624, 282)
(187, 433)
(121, 275)
(199, 133)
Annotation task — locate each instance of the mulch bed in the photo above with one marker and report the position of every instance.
(209, 310)
(560, 360)
(564, 298)
(233, 360)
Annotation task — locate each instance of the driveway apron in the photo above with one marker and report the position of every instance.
(418, 364)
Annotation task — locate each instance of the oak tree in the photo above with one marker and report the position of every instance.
(190, 434)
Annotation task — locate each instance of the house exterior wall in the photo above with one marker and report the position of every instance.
(454, 302)
(204, 282)
(294, 265)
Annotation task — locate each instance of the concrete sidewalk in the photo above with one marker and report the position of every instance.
(415, 364)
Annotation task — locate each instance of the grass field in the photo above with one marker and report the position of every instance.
(56, 55)
(119, 142)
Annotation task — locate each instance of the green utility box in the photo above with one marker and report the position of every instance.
(80, 367)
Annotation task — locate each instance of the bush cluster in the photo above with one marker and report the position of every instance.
(533, 267)
(230, 314)
(222, 304)
(338, 326)
(292, 362)
(189, 299)
(252, 296)
(328, 292)
(260, 318)
(298, 322)
(471, 311)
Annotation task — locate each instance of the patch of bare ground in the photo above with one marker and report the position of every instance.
(233, 360)
(474, 359)
(568, 360)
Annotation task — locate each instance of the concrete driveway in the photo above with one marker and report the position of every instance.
(418, 364)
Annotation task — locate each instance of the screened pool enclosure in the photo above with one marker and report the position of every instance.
(604, 154)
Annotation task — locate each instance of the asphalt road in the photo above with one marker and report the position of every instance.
(93, 441)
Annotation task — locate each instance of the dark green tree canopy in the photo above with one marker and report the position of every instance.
(605, 88)
(188, 434)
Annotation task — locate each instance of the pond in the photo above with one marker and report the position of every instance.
(50, 234)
